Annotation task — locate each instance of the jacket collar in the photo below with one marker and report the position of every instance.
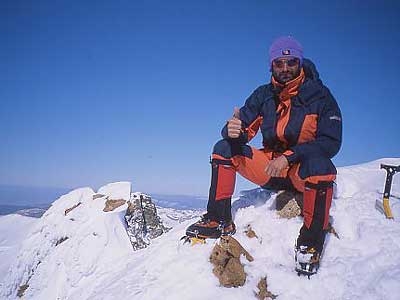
(310, 90)
(290, 88)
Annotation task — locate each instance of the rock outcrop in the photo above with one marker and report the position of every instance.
(143, 223)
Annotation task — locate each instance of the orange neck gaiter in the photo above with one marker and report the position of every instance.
(290, 88)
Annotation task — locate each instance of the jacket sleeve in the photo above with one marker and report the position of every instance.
(249, 115)
(328, 136)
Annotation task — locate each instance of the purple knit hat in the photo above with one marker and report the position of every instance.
(285, 46)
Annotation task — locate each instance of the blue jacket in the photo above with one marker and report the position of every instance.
(314, 125)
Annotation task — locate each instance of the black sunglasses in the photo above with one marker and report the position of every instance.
(291, 62)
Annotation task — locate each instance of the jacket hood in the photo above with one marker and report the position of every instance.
(310, 70)
(312, 89)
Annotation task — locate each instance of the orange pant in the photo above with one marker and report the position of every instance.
(253, 168)
(313, 176)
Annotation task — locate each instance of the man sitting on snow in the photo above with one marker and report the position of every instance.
(301, 126)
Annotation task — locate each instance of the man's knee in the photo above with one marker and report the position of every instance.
(316, 166)
(228, 148)
(223, 148)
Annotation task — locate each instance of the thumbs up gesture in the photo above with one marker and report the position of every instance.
(235, 124)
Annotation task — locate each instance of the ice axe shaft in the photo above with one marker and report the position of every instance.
(385, 206)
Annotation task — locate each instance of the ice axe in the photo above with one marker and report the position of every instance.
(384, 206)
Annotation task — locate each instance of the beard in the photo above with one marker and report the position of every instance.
(285, 76)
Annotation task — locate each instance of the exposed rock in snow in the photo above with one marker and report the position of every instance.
(284, 197)
(263, 292)
(143, 222)
(68, 210)
(110, 205)
(98, 196)
(226, 260)
(250, 233)
(290, 210)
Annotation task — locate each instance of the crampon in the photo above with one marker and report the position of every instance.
(198, 232)
(307, 261)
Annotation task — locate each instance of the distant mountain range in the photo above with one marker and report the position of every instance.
(36, 212)
(34, 201)
(15, 198)
(180, 201)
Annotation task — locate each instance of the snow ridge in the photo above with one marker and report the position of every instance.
(96, 260)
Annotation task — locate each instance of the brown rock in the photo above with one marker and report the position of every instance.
(61, 240)
(290, 210)
(113, 204)
(22, 290)
(226, 260)
(219, 257)
(263, 292)
(97, 196)
(233, 247)
(233, 274)
(332, 230)
(250, 232)
(285, 196)
(71, 208)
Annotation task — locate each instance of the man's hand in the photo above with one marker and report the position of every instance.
(274, 167)
(235, 124)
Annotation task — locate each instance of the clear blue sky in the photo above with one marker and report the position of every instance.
(100, 91)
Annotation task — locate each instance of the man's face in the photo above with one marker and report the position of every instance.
(285, 69)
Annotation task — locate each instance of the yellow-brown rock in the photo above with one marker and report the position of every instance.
(113, 204)
(226, 260)
(263, 292)
(250, 232)
(233, 247)
(290, 210)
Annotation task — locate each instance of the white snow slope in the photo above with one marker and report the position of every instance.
(97, 260)
(13, 230)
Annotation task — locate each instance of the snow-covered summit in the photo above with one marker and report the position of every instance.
(85, 253)
(72, 240)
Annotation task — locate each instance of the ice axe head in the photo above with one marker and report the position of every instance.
(384, 205)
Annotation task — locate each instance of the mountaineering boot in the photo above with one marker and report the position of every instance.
(229, 228)
(206, 228)
(317, 202)
(307, 260)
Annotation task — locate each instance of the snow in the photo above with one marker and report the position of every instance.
(97, 260)
(116, 190)
(13, 230)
